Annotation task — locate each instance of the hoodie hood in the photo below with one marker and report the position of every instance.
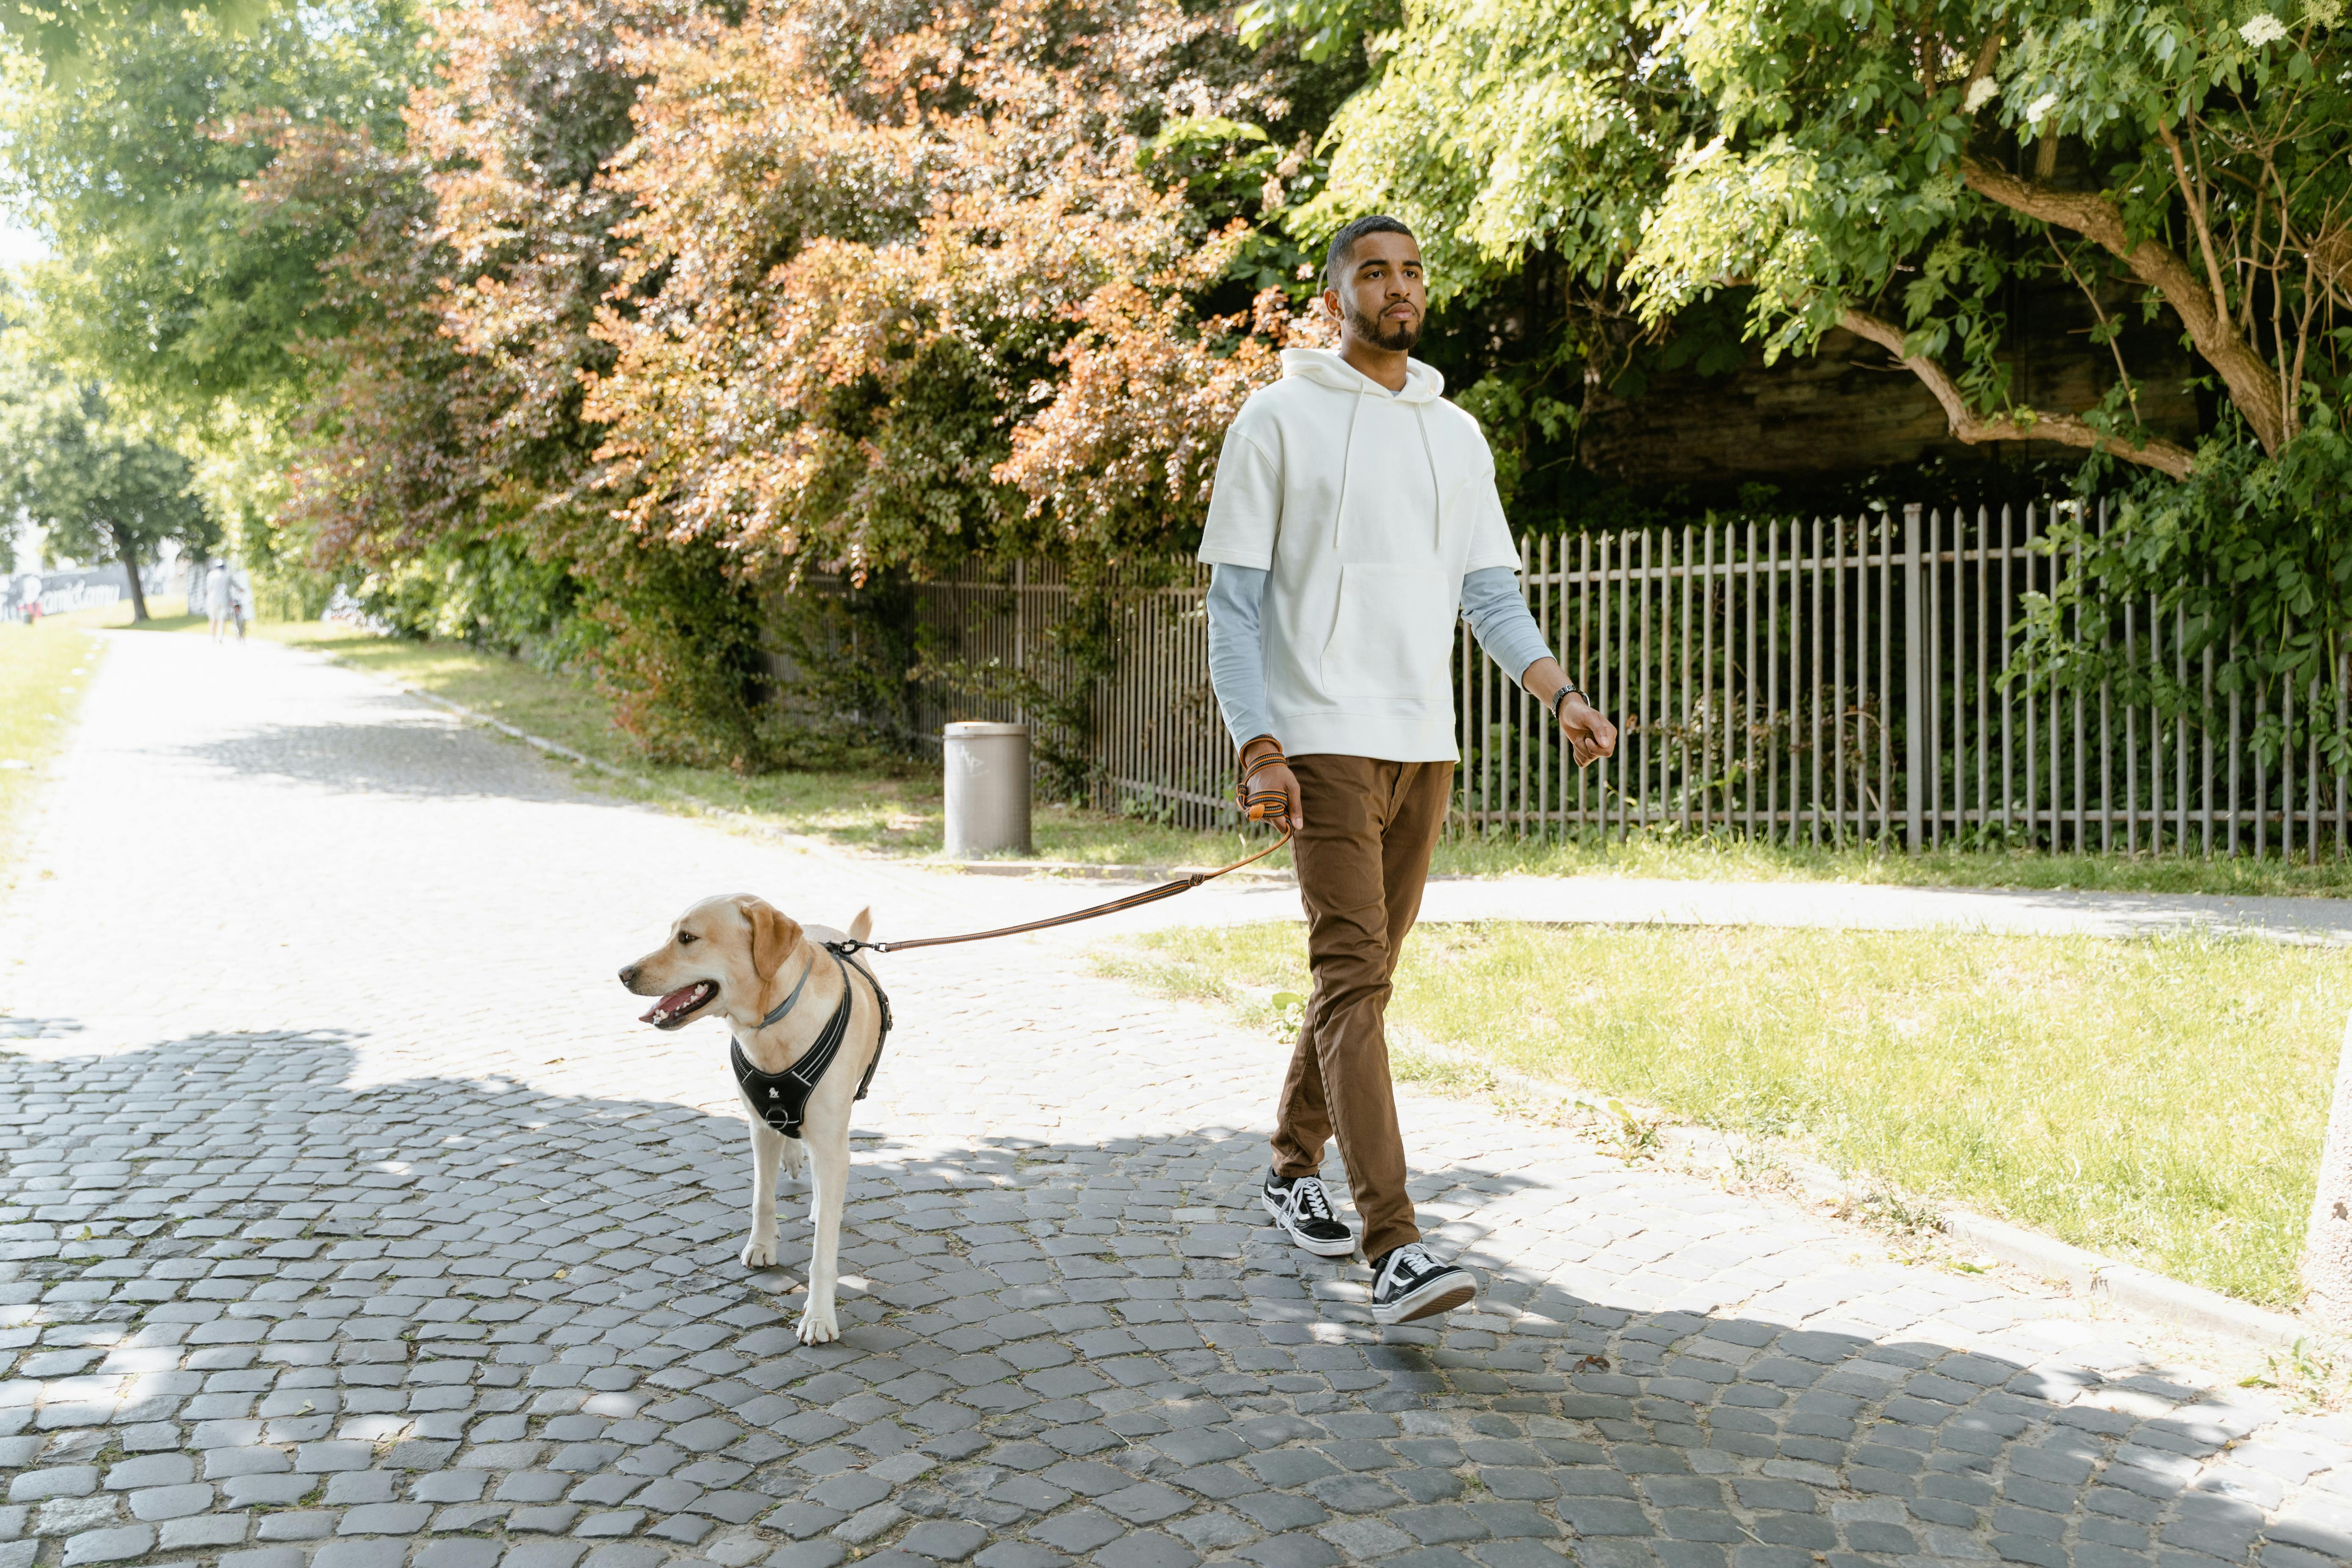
(1422, 383)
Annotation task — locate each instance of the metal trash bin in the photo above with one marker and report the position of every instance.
(987, 788)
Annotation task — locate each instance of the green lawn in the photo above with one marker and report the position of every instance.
(2158, 1101)
(43, 674)
(900, 813)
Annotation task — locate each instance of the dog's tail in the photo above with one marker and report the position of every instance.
(861, 925)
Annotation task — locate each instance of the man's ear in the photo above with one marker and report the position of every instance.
(774, 935)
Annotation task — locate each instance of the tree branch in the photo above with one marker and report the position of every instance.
(2098, 313)
(2064, 428)
(2252, 386)
(2192, 197)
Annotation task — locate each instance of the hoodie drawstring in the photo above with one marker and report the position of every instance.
(1347, 457)
(1436, 488)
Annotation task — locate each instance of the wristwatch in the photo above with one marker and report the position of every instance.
(1562, 695)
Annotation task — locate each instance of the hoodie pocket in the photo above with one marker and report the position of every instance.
(1391, 634)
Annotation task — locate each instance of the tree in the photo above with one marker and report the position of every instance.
(1896, 170)
(59, 32)
(853, 300)
(689, 304)
(166, 280)
(100, 486)
(637, 311)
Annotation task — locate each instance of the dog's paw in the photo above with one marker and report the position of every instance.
(795, 1158)
(817, 1325)
(757, 1254)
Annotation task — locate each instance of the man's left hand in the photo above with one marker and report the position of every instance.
(1589, 736)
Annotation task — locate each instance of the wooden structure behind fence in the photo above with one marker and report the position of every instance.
(1801, 682)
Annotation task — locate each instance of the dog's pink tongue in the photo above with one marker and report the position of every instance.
(670, 1004)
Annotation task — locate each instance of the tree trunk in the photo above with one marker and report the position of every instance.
(127, 552)
(2327, 1246)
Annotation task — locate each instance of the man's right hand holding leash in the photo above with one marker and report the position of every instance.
(1264, 772)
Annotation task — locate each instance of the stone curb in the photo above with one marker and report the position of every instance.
(2151, 1295)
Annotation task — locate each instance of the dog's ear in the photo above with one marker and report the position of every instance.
(862, 926)
(774, 935)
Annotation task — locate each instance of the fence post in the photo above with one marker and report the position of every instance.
(1020, 632)
(1915, 695)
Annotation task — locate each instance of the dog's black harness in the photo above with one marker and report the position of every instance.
(782, 1098)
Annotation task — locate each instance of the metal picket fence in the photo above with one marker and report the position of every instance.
(1841, 679)
(1157, 747)
(1831, 680)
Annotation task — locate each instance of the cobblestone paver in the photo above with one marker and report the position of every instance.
(347, 1221)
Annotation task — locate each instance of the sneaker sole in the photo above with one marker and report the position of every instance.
(1319, 1248)
(1440, 1295)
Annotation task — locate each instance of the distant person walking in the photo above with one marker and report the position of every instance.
(228, 597)
(1355, 520)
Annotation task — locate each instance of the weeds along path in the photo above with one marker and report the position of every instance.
(44, 671)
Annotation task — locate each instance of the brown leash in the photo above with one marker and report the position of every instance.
(1256, 805)
(1132, 902)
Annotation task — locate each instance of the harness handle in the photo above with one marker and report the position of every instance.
(1132, 902)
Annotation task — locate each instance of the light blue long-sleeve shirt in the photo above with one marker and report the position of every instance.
(1490, 601)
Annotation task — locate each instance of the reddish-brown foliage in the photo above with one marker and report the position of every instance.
(849, 294)
(687, 305)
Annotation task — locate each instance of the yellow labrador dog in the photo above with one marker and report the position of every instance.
(808, 1021)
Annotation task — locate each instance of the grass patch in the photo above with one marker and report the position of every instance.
(43, 674)
(2161, 1100)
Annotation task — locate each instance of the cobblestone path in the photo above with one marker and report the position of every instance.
(347, 1220)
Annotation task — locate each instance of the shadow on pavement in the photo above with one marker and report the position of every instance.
(400, 749)
(468, 1320)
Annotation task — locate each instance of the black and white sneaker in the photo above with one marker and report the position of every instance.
(1408, 1284)
(1300, 1205)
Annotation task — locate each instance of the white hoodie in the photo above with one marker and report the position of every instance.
(1366, 509)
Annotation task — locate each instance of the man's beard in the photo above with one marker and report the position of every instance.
(1398, 339)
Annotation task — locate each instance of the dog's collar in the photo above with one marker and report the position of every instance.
(780, 1099)
(787, 1005)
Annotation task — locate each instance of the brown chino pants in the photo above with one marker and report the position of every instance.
(1362, 858)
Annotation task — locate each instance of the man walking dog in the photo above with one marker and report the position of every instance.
(1355, 517)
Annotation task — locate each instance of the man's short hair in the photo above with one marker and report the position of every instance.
(1344, 242)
